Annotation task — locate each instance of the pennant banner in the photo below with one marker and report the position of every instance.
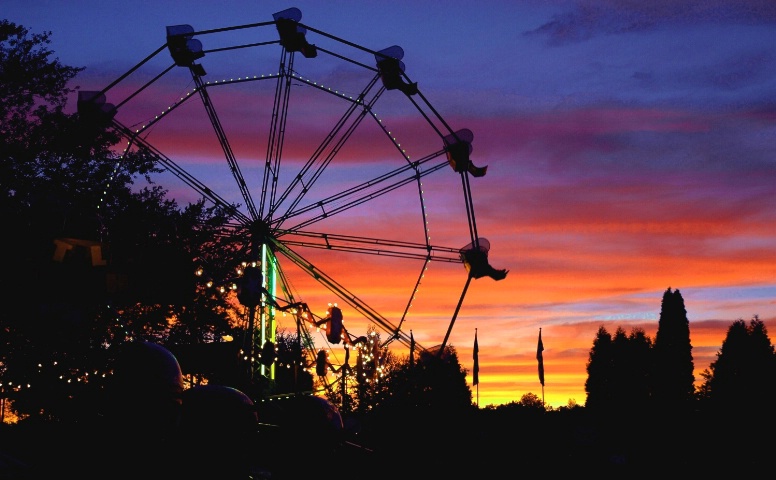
(476, 355)
(540, 358)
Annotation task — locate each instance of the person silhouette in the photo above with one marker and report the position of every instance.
(217, 434)
(140, 416)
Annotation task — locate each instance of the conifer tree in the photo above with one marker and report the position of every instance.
(621, 370)
(741, 379)
(618, 371)
(744, 372)
(600, 370)
(639, 361)
(672, 378)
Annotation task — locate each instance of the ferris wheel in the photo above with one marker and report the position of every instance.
(334, 168)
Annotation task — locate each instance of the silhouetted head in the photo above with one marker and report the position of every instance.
(300, 420)
(218, 427)
(146, 386)
(218, 409)
(316, 417)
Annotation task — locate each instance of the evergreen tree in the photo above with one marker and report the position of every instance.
(618, 371)
(744, 372)
(600, 372)
(672, 378)
(621, 379)
(638, 357)
(741, 379)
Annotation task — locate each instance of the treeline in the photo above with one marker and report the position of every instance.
(631, 370)
(643, 416)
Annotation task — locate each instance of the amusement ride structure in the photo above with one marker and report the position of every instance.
(338, 160)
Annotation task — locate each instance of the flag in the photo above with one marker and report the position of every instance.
(476, 355)
(540, 358)
(412, 350)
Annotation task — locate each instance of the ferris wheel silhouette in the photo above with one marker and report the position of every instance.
(336, 166)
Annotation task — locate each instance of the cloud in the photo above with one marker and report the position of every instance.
(587, 19)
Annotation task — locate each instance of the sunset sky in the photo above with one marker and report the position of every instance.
(631, 147)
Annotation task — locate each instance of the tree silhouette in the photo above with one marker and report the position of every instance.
(290, 374)
(97, 259)
(45, 157)
(619, 369)
(744, 372)
(531, 400)
(741, 379)
(424, 407)
(632, 368)
(600, 373)
(673, 386)
(434, 383)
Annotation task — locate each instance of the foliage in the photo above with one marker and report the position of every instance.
(97, 260)
(571, 405)
(619, 370)
(531, 400)
(529, 405)
(375, 367)
(744, 372)
(34, 95)
(290, 374)
(436, 381)
(362, 382)
(630, 371)
(600, 371)
(633, 369)
(424, 403)
(673, 384)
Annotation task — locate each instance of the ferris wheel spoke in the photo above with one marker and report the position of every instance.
(225, 146)
(342, 293)
(181, 173)
(361, 193)
(370, 246)
(325, 152)
(276, 133)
